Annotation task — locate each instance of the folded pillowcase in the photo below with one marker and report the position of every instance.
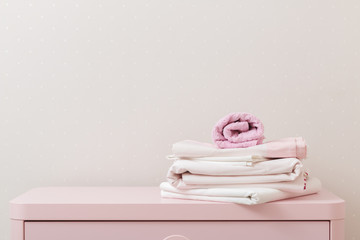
(283, 148)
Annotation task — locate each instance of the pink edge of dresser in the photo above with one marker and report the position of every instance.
(146, 204)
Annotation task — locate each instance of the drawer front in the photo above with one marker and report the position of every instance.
(182, 230)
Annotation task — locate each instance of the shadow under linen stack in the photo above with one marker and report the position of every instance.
(252, 175)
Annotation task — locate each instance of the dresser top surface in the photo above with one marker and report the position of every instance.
(135, 195)
(145, 203)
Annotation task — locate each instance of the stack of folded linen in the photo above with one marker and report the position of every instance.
(254, 174)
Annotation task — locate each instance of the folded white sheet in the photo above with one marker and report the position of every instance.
(282, 148)
(289, 186)
(246, 160)
(189, 172)
(248, 196)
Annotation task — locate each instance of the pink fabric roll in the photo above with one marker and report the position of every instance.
(238, 130)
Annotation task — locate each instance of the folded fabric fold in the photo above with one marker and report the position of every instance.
(246, 160)
(297, 185)
(283, 148)
(185, 172)
(248, 196)
(238, 130)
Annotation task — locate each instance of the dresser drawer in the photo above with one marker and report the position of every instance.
(177, 230)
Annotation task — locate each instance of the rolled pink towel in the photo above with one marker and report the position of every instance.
(238, 130)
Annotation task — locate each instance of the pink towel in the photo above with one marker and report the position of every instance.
(238, 130)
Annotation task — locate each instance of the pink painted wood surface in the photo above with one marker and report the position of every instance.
(210, 230)
(145, 203)
(17, 230)
(337, 229)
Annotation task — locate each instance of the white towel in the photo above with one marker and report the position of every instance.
(188, 172)
(248, 196)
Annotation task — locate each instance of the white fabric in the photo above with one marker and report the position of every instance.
(194, 149)
(185, 172)
(248, 196)
(289, 186)
(247, 160)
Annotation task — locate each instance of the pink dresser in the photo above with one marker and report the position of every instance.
(138, 213)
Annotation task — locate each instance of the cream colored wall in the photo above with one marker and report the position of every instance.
(95, 92)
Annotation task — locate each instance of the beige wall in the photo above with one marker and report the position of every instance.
(95, 92)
